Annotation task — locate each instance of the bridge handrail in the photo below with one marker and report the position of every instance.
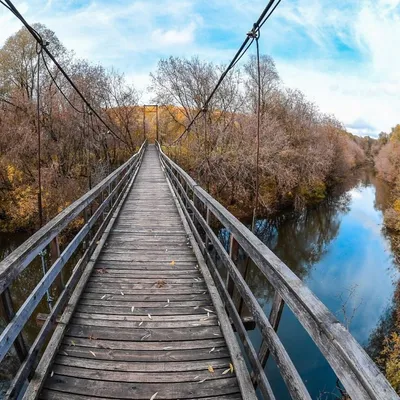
(20, 258)
(111, 190)
(357, 372)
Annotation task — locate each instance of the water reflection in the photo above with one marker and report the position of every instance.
(340, 250)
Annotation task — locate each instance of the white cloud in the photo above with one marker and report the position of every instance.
(174, 37)
(367, 88)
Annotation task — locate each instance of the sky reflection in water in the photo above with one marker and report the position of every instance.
(336, 247)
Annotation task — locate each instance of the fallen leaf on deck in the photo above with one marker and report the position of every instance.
(73, 343)
(212, 350)
(226, 371)
(211, 369)
(161, 283)
(133, 308)
(154, 396)
(172, 263)
(146, 336)
(149, 316)
(231, 367)
(94, 354)
(203, 380)
(141, 322)
(122, 294)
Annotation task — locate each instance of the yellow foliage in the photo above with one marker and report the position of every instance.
(396, 205)
(395, 134)
(13, 174)
(391, 360)
(24, 206)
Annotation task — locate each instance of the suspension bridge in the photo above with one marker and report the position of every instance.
(152, 308)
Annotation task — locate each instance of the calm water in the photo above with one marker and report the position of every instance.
(339, 249)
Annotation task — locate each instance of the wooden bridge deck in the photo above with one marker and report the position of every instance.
(146, 322)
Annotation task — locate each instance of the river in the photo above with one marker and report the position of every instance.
(342, 253)
(339, 249)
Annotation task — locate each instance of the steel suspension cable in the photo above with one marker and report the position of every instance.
(58, 87)
(239, 54)
(39, 39)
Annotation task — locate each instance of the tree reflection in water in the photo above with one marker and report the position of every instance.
(332, 246)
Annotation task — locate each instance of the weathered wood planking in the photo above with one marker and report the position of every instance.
(146, 321)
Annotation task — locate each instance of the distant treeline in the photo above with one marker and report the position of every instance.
(303, 152)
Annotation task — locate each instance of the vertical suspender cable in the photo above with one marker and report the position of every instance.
(144, 122)
(206, 152)
(89, 149)
(256, 200)
(39, 164)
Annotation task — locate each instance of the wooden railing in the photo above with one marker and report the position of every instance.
(358, 374)
(97, 207)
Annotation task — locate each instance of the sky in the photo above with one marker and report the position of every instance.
(343, 55)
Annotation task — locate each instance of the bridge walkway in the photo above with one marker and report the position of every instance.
(146, 322)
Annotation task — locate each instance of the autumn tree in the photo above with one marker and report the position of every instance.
(77, 149)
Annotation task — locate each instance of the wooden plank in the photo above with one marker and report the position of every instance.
(140, 334)
(152, 290)
(155, 296)
(92, 363)
(56, 395)
(138, 305)
(144, 323)
(154, 318)
(142, 346)
(125, 390)
(167, 375)
(146, 356)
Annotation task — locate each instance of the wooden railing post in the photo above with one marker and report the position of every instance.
(54, 254)
(194, 205)
(233, 254)
(208, 217)
(274, 319)
(8, 310)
